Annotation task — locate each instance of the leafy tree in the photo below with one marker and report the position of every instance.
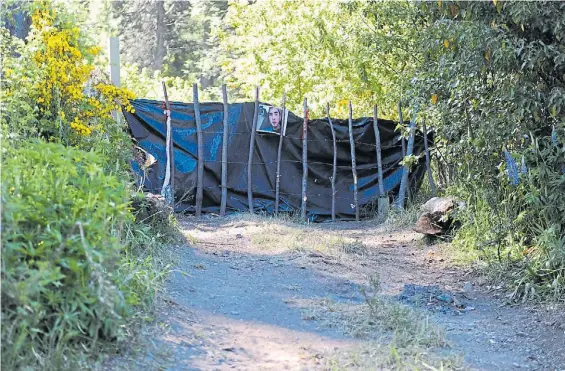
(319, 50)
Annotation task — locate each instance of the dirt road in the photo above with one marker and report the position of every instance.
(253, 293)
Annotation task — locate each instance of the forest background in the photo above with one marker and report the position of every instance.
(487, 77)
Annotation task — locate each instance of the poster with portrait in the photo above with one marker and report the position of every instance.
(272, 120)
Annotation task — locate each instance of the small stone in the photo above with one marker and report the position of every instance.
(468, 287)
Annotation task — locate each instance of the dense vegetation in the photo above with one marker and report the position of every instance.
(489, 77)
(76, 267)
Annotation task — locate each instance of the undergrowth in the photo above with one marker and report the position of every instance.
(516, 227)
(76, 268)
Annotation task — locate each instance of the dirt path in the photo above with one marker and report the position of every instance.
(259, 294)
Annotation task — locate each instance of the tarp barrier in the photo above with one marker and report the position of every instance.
(148, 127)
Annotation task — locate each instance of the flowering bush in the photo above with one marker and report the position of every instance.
(48, 89)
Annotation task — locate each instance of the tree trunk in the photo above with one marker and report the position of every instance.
(160, 36)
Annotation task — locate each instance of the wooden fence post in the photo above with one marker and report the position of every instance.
(200, 172)
(401, 122)
(353, 163)
(403, 140)
(114, 58)
(428, 162)
(278, 179)
(114, 71)
(224, 153)
(251, 151)
(169, 148)
(383, 198)
(405, 169)
(304, 160)
(335, 160)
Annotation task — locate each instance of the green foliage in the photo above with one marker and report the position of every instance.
(498, 71)
(77, 268)
(62, 219)
(319, 50)
(147, 84)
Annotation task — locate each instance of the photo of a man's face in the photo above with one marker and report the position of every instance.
(275, 118)
(270, 120)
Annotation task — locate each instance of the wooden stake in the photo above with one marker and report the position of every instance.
(251, 151)
(406, 170)
(353, 163)
(383, 198)
(428, 162)
(403, 156)
(335, 160)
(224, 153)
(278, 180)
(200, 172)
(408, 191)
(170, 139)
(304, 160)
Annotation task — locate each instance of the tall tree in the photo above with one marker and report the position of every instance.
(171, 36)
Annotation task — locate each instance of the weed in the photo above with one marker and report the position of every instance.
(399, 336)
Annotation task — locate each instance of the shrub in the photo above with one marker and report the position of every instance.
(49, 84)
(521, 222)
(62, 219)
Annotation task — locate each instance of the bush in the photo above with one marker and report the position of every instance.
(521, 222)
(62, 222)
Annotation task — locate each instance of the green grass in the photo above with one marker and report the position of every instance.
(395, 335)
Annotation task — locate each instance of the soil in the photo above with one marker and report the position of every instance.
(230, 303)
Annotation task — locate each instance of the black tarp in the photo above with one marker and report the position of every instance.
(148, 127)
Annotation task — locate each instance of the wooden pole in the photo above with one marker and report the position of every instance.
(170, 143)
(304, 160)
(403, 146)
(408, 191)
(251, 151)
(278, 180)
(383, 198)
(403, 156)
(224, 153)
(335, 160)
(401, 122)
(200, 172)
(353, 163)
(114, 59)
(114, 52)
(428, 162)
(406, 170)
